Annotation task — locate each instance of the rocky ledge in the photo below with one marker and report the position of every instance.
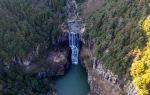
(59, 61)
(52, 64)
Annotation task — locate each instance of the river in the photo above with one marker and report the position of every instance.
(74, 82)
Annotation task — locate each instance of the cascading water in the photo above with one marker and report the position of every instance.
(74, 82)
(74, 29)
(74, 45)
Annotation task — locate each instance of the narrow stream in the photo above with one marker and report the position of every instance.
(74, 82)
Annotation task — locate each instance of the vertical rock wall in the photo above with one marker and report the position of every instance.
(103, 82)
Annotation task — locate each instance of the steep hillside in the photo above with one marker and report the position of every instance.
(117, 37)
(115, 31)
(25, 24)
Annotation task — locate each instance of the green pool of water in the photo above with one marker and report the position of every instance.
(74, 82)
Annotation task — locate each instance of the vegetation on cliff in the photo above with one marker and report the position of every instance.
(115, 32)
(140, 69)
(15, 81)
(25, 24)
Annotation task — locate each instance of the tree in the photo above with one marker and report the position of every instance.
(140, 69)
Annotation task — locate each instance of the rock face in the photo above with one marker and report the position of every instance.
(130, 89)
(101, 80)
(55, 63)
(61, 39)
(104, 82)
(59, 62)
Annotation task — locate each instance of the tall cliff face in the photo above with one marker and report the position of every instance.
(101, 80)
(112, 32)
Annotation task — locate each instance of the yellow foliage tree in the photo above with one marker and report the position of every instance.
(146, 25)
(137, 72)
(140, 69)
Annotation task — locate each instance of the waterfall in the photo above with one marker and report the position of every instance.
(74, 29)
(74, 45)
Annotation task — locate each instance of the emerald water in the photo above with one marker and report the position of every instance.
(74, 82)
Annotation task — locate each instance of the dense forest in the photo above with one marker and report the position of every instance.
(25, 24)
(119, 32)
(115, 31)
